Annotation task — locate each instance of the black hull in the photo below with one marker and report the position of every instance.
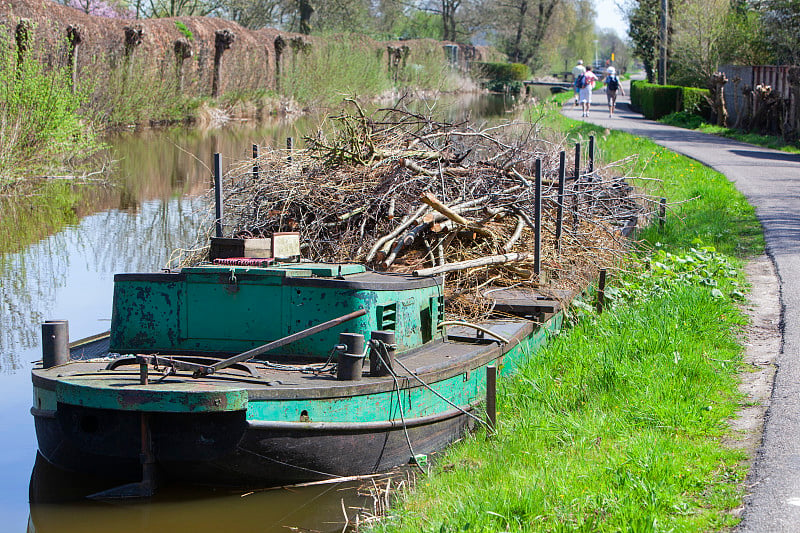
(226, 450)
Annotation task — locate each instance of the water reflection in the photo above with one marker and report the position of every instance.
(315, 508)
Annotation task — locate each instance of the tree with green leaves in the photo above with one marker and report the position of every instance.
(782, 17)
(521, 27)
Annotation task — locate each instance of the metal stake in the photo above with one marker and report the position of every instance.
(218, 194)
(537, 215)
(289, 143)
(576, 190)
(562, 161)
(662, 213)
(256, 168)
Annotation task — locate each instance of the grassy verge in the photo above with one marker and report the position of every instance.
(694, 122)
(618, 423)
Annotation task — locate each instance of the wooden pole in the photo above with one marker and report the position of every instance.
(218, 194)
(491, 397)
(472, 263)
(601, 291)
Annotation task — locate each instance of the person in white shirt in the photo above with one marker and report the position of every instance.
(586, 84)
(577, 70)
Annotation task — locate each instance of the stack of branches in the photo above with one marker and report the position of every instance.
(402, 192)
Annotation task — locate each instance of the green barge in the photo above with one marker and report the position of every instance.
(271, 373)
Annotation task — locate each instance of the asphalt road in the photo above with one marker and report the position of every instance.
(771, 182)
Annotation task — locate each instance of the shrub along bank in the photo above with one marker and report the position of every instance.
(655, 101)
(618, 423)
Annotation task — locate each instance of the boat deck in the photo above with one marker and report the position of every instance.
(464, 349)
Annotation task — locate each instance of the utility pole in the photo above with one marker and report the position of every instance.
(662, 64)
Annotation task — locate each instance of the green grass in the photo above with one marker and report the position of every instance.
(617, 425)
(694, 122)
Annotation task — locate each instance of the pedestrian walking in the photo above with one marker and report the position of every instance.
(585, 84)
(577, 70)
(612, 87)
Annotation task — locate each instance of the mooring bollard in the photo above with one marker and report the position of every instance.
(55, 343)
(562, 176)
(218, 194)
(350, 360)
(381, 357)
(491, 397)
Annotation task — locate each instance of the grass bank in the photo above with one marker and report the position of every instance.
(618, 423)
(694, 122)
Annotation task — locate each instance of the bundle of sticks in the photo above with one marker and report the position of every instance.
(402, 192)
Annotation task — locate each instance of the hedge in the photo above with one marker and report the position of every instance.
(656, 101)
(503, 71)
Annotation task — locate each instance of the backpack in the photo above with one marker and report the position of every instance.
(580, 81)
(612, 83)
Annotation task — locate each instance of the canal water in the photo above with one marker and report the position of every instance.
(135, 227)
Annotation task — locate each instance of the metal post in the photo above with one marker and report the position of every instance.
(662, 213)
(576, 189)
(601, 291)
(55, 343)
(491, 397)
(662, 64)
(537, 215)
(289, 143)
(562, 164)
(256, 169)
(218, 194)
(591, 157)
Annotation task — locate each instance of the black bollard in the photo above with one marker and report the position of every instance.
(55, 343)
(350, 361)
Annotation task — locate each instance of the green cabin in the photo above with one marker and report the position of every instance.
(220, 310)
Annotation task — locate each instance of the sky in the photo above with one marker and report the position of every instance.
(608, 16)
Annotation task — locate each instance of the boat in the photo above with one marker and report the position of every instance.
(248, 371)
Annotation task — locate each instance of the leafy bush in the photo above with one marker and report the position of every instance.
(696, 101)
(502, 77)
(39, 123)
(682, 119)
(184, 29)
(656, 101)
(502, 71)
